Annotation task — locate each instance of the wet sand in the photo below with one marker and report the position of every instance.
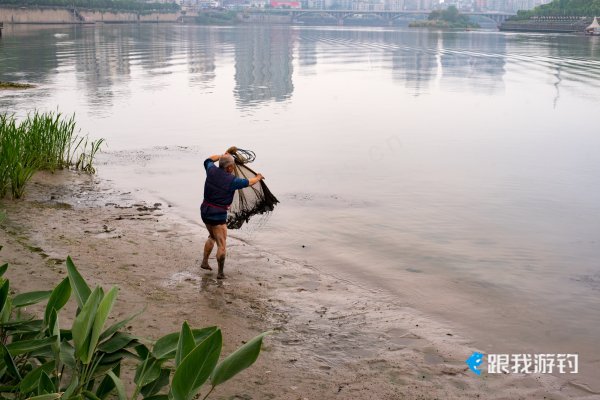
(333, 338)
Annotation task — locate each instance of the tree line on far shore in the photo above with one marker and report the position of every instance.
(577, 8)
(113, 5)
(450, 15)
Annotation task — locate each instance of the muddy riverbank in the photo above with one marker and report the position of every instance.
(333, 339)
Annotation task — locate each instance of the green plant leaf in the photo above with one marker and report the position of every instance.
(186, 343)
(30, 381)
(79, 285)
(83, 323)
(142, 351)
(29, 298)
(166, 346)
(51, 396)
(67, 354)
(3, 268)
(9, 362)
(45, 385)
(118, 385)
(156, 385)
(157, 397)
(89, 395)
(118, 356)
(104, 309)
(28, 346)
(103, 368)
(147, 371)
(115, 327)
(58, 298)
(66, 334)
(237, 361)
(195, 369)
(118, 341)
(26, 325)
(71, 388)
(6, 311)
(54, 330)
(4, 288)
(107, 385)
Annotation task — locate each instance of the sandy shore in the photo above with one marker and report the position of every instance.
(333, 339)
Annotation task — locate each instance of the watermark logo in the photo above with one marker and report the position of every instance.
(475, 361)
(547, 363)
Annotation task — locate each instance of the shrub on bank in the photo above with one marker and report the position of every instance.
(217, 18)
(42, 141)
(41, 360)
(448, 18)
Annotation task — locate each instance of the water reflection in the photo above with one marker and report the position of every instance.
(307, 54)
(414, 61)
(478, 57)
(102, 57)
(27, 54)
(201, 55)
(106, 58)
(263, 65)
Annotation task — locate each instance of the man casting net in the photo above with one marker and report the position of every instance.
(232, 194)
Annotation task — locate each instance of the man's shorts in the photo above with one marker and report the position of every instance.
(213, 222)
(205, 214)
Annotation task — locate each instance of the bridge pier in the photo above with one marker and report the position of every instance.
(340, 21)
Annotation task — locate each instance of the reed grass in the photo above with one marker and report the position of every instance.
(42, 141)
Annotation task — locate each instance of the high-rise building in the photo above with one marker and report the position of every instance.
(480, 5)
(418, 5)
(394, 5)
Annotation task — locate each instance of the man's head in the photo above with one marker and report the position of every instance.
(226, 163)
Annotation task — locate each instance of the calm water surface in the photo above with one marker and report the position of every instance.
(457, 171)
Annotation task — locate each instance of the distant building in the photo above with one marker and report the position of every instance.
(339, 4)
(512, 5)
(285, 4)
(314, 4)
(417, 5)
(193, 5)
(394, 5)
(480, 5)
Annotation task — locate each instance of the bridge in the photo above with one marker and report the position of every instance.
(387, 16)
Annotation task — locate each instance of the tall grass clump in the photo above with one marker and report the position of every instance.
(41, 142)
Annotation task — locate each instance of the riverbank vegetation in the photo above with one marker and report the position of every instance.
(217, 17)
(42, 141)
(14, 85)
(449, 18)
(42, 360)
(112, 5)
(558, 8)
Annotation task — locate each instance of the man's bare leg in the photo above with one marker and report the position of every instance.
(208, 247)
(220, 235)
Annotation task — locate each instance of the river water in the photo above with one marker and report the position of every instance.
(457, 171)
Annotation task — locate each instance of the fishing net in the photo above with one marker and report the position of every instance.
(252, 200)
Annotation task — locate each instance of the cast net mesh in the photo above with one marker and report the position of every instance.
(252, 200)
